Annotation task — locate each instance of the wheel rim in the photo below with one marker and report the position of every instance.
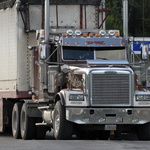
(57, 122)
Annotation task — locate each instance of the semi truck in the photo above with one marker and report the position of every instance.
(60, 71)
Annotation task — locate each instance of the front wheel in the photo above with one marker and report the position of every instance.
(62, 128)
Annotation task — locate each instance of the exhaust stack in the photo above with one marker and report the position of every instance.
(125, 19)
(47, 18)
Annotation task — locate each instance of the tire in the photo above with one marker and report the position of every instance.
(16, 120)
(62, 128)
(143, 132)
(27, 124)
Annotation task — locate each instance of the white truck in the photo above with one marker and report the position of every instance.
(59, 71)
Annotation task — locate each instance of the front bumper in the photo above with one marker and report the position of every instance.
(108, 115)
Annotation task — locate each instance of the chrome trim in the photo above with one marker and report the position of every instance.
(108, 115)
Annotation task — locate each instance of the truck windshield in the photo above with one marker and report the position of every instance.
(93, 53)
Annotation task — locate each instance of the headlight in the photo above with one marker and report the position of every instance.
(143, 97)
(76, 97)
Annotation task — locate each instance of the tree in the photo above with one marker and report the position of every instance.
(114, 20)
(139, 19)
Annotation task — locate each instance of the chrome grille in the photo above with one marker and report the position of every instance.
(110, 89)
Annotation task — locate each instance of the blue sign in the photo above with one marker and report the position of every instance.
(137, 45)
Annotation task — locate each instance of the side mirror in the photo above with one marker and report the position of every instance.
(145, 51)
(42, 51)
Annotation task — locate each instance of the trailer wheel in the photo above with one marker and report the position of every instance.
(143, 132)
(27, 124)
(62, 128)
(16, 120)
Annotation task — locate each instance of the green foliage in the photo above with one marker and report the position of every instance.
(139, 18)
(114, 20)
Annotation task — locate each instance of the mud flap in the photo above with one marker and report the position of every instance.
(1, 115)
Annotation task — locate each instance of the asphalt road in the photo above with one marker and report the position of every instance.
(7, 142)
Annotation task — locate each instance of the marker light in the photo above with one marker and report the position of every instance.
(97, 35)
(64, 35)
(117, 33)
(66, 43)
(91, 34)
(77, 43)
(84, 35)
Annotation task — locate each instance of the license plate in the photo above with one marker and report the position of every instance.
(110, 127)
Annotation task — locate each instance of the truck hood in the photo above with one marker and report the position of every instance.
(96, 65)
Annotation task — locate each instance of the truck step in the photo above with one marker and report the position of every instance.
(41, 124)
(43, 107)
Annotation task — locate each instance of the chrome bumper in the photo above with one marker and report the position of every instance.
(108, 115)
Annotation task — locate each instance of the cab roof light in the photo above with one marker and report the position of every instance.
(111, 32)
(70, 32)
(78, 32)
(102, 32)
